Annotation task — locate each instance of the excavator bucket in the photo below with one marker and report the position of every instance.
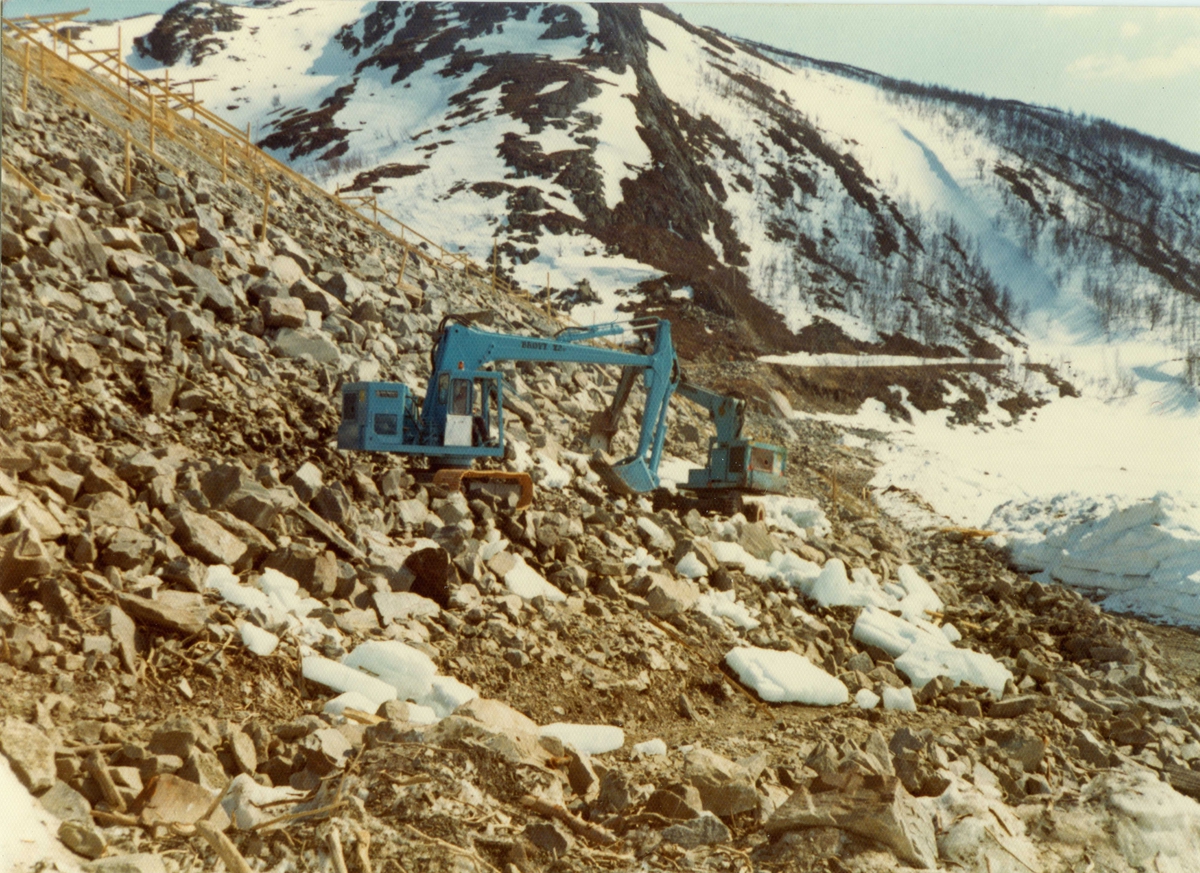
(631, 476)
(512, 489)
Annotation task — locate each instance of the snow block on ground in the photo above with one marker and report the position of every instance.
(650, 747)
(349, 700)
(724, 604)
(406, 669)
(785, 677)
(446, 694)
(899, 699)
(834, 588)
(877, 627)
(527, 583)
(260, 642)
(919, 599)
(866, 698)
(591, 739)
(923, 662)
(339, 677)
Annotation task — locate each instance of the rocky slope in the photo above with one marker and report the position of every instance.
(183, 552)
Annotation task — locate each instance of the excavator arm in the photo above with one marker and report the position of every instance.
(463, 400)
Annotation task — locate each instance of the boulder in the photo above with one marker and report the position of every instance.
(30, 753)
(725, 787)
(889, 815)
(201, 537)
(80, 244)
(283, 312)
(300, 342)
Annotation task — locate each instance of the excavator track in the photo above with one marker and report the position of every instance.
(512, 489)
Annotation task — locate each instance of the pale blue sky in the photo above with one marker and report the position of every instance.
(1138, 66)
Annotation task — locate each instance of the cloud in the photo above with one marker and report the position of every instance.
(1182, 60)
(1130, 29)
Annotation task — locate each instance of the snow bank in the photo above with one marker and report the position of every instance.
(29, 840)
(1156, 827)
(1145, 554)
(785, 677)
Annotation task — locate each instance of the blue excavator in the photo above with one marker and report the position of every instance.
(461, 417)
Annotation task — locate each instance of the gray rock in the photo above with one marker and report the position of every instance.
(551, 837)
(725, 788)
(306, 481)
(127, 550)
(345, 287)
(124, 634)
(183, 612)
(891, 817)
(30, 753)
(203, 538)
(83, 838)
(315, 299)
(142, 862)
(283, 312)
(294, 343)
(188, 324)
(671, 596)
(326, 750)
(705, 830)
(757, 540)
(80, 244)
(260, 506)
(332, 503)
(66, 804)
(402, 605)
(1012, 707)
(314, 568)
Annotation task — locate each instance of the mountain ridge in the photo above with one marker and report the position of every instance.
(780, 195)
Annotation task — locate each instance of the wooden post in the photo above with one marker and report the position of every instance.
(128, 157)
(224, 163)
(42, 61)
(403, 267)
(548, 312)
(495, 257)
(153, 103)
(193, 99)
(25, 82)
(247, 140)
(266, 207)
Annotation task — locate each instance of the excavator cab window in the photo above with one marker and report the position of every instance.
(485, 419)
(737, 459)
(462, 397)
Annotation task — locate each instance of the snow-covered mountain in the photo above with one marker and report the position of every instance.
(629, 158)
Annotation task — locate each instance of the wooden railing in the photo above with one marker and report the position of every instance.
(151, 108)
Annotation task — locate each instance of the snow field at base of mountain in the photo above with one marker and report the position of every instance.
(1099, 492)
